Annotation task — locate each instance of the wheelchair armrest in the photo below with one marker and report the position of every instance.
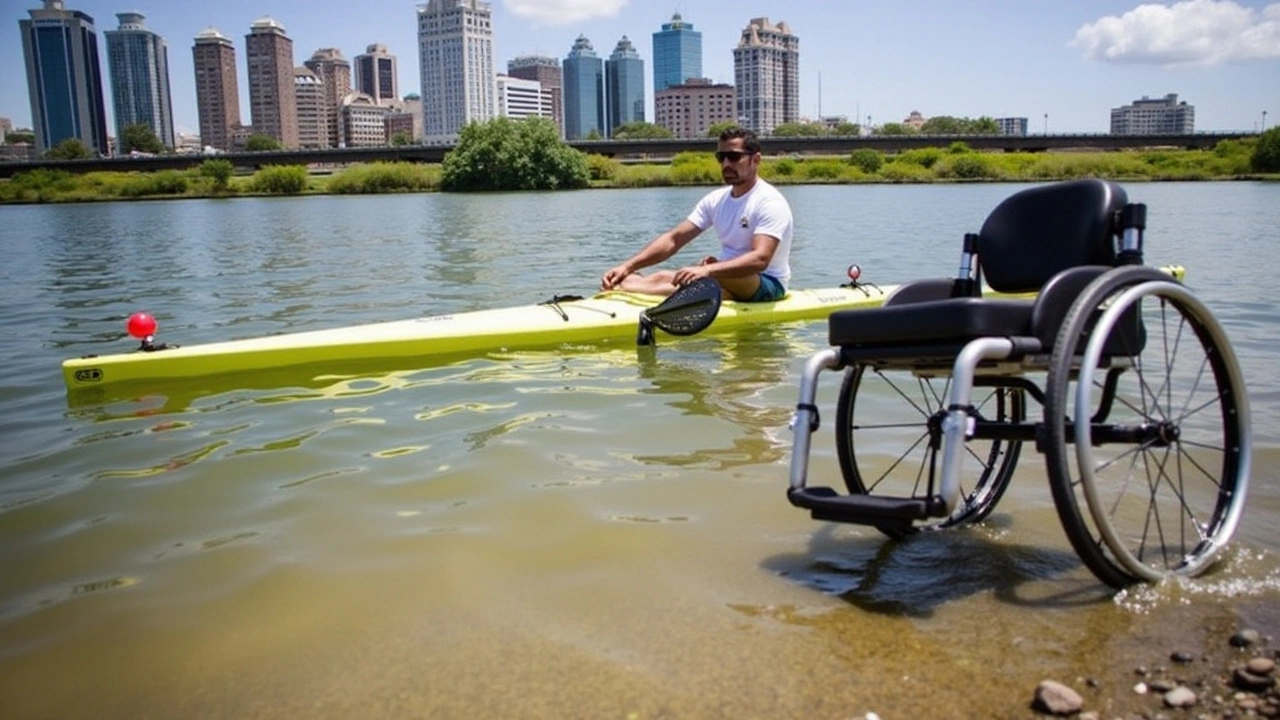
(1055, 300)
(921, 291)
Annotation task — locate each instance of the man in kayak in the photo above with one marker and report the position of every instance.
(752, 220)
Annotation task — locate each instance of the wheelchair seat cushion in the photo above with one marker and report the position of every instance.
(943, 322)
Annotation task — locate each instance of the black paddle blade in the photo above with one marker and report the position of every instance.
(689, 310)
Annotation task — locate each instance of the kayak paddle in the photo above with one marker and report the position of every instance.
(687, 311)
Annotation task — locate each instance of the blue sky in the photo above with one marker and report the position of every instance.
(1072, 60)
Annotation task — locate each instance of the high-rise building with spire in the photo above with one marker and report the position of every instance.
(583, 91)
(677, 54)
(375, 75)
(624, 86)
(766, 72)
(64, 77)
(273, 109)
(455, 54)
(139, 63)
(217, 90)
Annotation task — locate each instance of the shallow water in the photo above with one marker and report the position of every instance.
(580, 532)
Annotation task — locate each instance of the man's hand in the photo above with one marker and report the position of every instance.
(686, 275)
(616, 275)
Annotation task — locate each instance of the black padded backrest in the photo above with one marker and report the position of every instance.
(1038, 232)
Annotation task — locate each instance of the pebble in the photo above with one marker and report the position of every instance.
(1057, 699)
(1180, 697)
(1246, 680)
(1261, 666)
(1246, 638)
(1181, 657)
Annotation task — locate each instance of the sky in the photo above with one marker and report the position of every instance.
(1062, 64)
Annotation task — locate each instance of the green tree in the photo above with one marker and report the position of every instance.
(594, 135)
(20, 136)
(895, 129)
(1266, 156)
(139, 137)
(506, 154)
(944, 125)
(799, 129)
(641, 131)
(401, 139)
(69, 149)
(262, 143)
(719, 127)
(847, 128)
(219, 170)
(984, 126)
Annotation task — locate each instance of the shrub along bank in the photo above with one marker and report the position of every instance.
(1254, 158)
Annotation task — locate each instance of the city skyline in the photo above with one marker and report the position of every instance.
(1063, 66)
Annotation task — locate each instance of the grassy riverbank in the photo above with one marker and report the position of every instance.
(1230, 160)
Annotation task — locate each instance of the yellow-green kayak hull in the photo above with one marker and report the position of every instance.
(609, 316)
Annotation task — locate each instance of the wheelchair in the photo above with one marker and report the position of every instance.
(1055, 337)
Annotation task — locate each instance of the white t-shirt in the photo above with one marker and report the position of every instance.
(761, 211)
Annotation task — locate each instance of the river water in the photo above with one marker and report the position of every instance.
(578, 532)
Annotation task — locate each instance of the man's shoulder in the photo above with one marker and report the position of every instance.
(767, 194)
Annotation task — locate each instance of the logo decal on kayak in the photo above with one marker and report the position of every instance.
(88, 375)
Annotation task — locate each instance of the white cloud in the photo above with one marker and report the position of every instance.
(1189, 32)
(563, 12)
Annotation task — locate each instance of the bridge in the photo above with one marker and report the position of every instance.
(644, 149)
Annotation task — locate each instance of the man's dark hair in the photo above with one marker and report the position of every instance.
(750, 142)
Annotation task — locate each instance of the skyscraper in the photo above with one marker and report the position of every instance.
(766, 71)
(375, 74)
(309, 99)
(677, 54)
(273, 109)
(455, 53)
(217, 90)
(334, 73)
(139, 63)
(64, 77)
(624, 86)
(583, 91)
(547, 71)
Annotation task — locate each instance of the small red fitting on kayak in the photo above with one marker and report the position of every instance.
(143, 327)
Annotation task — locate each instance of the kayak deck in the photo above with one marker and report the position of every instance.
(608, 316)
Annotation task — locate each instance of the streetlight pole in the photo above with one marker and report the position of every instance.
(1264, 121)
(1046, 123)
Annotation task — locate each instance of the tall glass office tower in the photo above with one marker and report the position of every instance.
(624, 86)
(583, 91)
(139, 62)
(677, 54)
(64, 77)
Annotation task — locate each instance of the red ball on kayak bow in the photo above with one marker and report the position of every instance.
(141, 325)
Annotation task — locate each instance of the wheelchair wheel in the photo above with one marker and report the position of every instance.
(889, 441)
(1156, 482)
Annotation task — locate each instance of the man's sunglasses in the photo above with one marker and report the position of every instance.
(730, 155)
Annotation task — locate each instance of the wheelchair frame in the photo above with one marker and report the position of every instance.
(1155, 480)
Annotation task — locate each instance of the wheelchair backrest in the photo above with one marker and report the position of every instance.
(1038, 232)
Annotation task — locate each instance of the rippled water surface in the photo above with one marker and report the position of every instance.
(578, 532)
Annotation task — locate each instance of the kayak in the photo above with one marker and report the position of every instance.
(606, 317)
(609, 316)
